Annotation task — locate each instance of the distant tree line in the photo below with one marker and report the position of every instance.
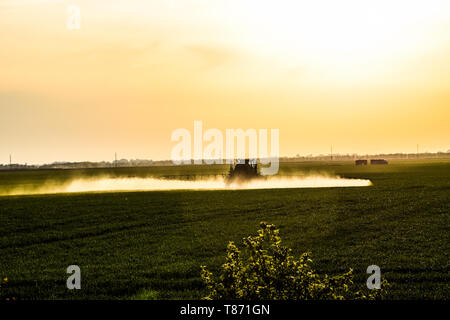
(149, 163)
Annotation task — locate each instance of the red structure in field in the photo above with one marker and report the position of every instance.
(361, 162)
(378, 161)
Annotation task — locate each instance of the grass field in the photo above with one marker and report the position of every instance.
(151, 244)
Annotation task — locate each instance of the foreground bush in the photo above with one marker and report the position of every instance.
(266, 270)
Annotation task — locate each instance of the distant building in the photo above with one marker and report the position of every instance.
(378, 161)
(361, 162)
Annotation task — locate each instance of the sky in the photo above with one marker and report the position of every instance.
(362, 76)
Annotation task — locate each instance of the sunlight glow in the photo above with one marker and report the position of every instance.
(345, 39)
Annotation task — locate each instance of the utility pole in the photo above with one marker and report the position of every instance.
(115, 159)
(331, 153)
(10, 160)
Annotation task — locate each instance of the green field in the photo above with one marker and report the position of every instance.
(151, 244)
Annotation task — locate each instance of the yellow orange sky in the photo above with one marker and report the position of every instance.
(363, 76)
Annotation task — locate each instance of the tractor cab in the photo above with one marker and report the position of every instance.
(243, 170)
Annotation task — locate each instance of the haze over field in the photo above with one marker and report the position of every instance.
(365, 77)
(153, 184)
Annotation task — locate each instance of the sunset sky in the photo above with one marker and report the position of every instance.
(363, 76)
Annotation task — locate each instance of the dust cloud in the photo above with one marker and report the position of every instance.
(107, 184)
